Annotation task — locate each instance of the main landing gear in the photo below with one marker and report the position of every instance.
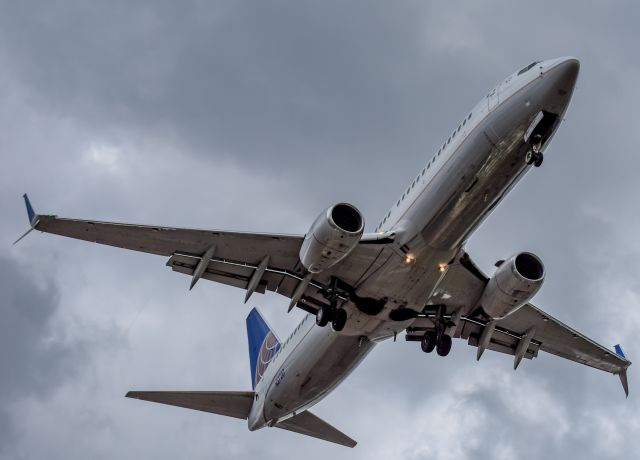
(437, 339)
(332, 313)
(534, 155)
(336, 316)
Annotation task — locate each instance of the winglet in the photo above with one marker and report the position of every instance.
(622, 374)
(30, 212)
(33, 217)
(624, 381)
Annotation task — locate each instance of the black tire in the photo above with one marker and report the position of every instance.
(529, 157)
(537, 161)
(339, 320)
(323, 315)
(428, 342)
(443, 347)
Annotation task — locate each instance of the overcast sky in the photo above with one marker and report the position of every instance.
(255, 116)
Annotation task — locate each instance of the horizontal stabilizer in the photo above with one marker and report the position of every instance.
(230, 403)
(308, 424)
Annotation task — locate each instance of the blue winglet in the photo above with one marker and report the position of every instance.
(619, 351)
(30, 211)
(33, 217)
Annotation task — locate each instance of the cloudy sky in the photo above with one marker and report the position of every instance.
(255, 116)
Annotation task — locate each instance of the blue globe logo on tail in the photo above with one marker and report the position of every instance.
(263, 345)
(270, 347)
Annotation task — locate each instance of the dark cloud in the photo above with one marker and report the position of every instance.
(34, 361)
(255, 116)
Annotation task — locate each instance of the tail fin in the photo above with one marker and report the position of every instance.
(263, 345)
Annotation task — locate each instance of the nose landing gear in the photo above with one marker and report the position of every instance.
(534, 158)
(534, 155)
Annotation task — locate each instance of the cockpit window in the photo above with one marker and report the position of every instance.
(529, 67)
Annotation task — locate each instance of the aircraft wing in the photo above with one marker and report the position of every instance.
(255, 262)
(523, 333)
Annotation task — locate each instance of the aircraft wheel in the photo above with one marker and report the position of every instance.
(323, 316)
(339, 319)
(537, 161)
(529, 157)
(443, 347)
(428, 342)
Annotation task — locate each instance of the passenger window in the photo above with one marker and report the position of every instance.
(423, 170)
(448, 141)
(398, 203)
(464, 122)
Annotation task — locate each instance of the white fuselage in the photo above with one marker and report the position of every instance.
(431, 221)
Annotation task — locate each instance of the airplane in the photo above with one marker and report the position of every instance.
(412, 274)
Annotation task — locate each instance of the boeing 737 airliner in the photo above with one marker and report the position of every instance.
(411, 275)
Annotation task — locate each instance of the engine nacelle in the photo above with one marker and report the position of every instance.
(333, 235)
(512, 285)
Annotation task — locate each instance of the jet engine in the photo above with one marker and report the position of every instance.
(333, 235)
(512, 285)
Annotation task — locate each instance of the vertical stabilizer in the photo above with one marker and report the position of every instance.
(263, 345)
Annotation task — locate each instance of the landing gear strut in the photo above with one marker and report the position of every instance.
(534, 155)
(437, 338)
(332, 313)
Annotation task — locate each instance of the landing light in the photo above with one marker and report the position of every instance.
(409, 259)
(442, 267)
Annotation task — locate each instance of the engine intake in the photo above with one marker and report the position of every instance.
(513, 284)
(332, 236)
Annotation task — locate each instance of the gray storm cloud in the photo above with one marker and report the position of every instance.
(255, 116)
